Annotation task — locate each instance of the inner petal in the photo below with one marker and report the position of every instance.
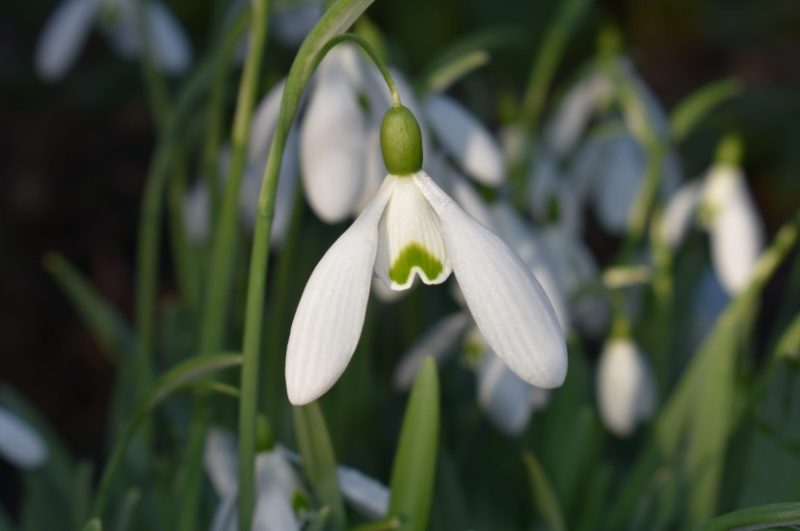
(410, 242)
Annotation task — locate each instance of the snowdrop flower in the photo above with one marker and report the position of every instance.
(736, 231)
(196, 206)
(727, 211)
(507, 400)
(610, 168)
(277, 482)
(625, 387)
(412, 229)
(67, 29)
(20, 445)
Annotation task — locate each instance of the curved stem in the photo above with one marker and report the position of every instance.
(370, 52)
(335, 21)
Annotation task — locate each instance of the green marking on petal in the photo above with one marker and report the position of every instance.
(414, 254)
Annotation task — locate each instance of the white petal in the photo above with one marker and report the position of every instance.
(410, 239)
(507, 400)
(522, 240)
(576, 110)
(368, 496)
(63, 37)
(171, 46)
(618, 181)
(220, 461)
(466, 139)
(652, 115)
(509, 306)
(332, 142)
(265, 118)
(197, 213)
(329, 318)
(19, 443)
(276, 484)
(625, 387)
(437, 342)
(737, 233)
(292, 24)
(679, 213)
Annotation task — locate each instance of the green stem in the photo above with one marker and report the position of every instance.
(550, 52)
(768, 516)
(217, 296)
(336, 20)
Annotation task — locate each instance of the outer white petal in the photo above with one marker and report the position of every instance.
(224, 518)
(171, 46)
(509, 306)
(543, 187)
(220, 461)
(329, 318)
(653, 114)
(576, 110)
(617, 182)
(680, 211)
(19, 443)
(465, 139)
(196, 213)
(369, 496)
(625, 387)
(437, 342)
(737, 233)
(410, 239)
(265, 118)
(507, 400)
(332, 142)
(63, 37)
(522, 240)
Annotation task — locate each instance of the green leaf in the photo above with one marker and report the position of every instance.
(181, 375)
(319, 460)
(760, 517)
(696, 106)
(105, 322)
(389, 523)
(544, 497)
(697, 416)
(414, 469)
(125, 513)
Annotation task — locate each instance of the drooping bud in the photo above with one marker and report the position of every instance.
(401, 141)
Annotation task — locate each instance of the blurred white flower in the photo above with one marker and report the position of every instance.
(625, 387)
(197, 208)
(413, 229)
(507, 400)
(465, 139)
(736, 231)
(292, 21)
(20, 445)
(67, 29)
(277, 482)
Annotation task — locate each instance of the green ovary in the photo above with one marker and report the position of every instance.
(414, 254)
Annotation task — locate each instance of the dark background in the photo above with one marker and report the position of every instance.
(73, 154)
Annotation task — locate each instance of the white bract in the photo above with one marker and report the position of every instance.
(20, 445)
(625, 387)
(67, 30)
(413, 229)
